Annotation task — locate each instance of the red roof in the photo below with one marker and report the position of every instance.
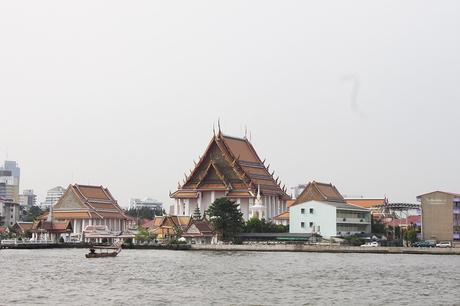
(405, 221)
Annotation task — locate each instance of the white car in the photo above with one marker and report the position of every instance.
(444, 244)
(372, 244)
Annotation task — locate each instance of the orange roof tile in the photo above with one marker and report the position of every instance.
(366, 203)
(282, 216)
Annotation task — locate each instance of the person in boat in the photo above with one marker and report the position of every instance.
(92, 251)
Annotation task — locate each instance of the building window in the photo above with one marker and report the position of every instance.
(311, 224)
(302, 211)
(311, 210)
(302, 224)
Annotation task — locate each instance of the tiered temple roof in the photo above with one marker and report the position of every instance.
(86, 202)
(231, 165)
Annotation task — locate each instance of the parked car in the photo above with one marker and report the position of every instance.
(372, 244)
(425, 244)
(444, 244)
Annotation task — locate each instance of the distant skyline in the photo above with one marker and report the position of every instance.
(361, 94)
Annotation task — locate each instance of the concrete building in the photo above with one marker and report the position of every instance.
(28, 198)
(52, 197)
(145, 203)
(321, 209)
(231, 168)
(10, 175)
(9, 212)
(440, 216)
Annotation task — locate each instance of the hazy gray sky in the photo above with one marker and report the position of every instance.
(124, 94)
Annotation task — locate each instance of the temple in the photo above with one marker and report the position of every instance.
(231, 168)
(84, 206)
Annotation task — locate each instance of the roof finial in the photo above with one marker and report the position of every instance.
(214, 129)
(218, 124)
(246, 132)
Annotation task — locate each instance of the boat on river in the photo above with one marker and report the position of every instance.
(105, 251)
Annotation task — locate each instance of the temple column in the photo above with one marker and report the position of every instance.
(213, 196)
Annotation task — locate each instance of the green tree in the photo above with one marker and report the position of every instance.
(144, 213)
(410, 235)
(226, 218)
(254, 225)
(377, 227)
(144, 235)
(32, 214)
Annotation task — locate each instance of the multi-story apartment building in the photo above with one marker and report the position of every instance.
(321, 209)
(28, 198)
(440, 216)
(9, 212)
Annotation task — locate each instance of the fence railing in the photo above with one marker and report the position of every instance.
(16, 242)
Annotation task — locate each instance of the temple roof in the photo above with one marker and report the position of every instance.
(231, 165)
(52, 226)
(86, 202)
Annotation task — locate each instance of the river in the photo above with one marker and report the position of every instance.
(157, 277)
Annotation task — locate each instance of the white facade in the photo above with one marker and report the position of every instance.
(146, 203)
(329, 219)
(52, 196)
(272, 206)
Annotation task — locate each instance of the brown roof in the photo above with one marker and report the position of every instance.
(25, 226)
(53, 226)
(231, 164)
(316, 191)
(202, 226)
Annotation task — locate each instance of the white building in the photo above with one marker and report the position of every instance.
(52, 196)
(146, 203)
(321, 209)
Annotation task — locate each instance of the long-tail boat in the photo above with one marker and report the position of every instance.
(104, 251)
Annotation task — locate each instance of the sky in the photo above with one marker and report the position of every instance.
(124, 94)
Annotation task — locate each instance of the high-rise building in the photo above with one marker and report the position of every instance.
(52, 196)
(28, 198)
(9, 180)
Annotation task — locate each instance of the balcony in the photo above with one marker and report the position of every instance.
(456, 210)
(353, 221)
(457, 200)
(456, 235)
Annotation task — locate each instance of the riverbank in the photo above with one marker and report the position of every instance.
(32, 246)
(325, 249)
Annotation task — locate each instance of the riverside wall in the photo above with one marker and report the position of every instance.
(325, 249)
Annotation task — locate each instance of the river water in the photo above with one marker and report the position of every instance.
(157, 277)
